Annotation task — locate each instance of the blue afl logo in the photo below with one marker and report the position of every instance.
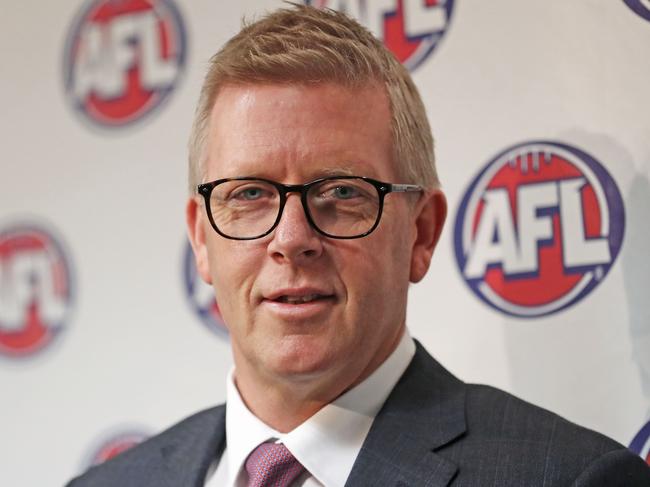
(641, 7)
(538, 229)
(36, 289)
(410, 29)
(201, 296)
(641, 443)
(123, 59)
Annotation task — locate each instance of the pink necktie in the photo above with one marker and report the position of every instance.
(272, 465)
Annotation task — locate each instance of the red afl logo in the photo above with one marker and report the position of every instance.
(411, 29)
(538, 229)
(35, 290)
(123, 58)
(201, 296)
(114, 445)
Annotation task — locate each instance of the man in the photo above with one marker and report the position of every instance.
(314, 203)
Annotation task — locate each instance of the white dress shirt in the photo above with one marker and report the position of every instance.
(327, 444)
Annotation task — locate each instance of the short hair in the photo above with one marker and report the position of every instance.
(303, 44)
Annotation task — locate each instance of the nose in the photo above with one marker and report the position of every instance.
(294, 240)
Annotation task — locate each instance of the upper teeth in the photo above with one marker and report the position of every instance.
(299, 299)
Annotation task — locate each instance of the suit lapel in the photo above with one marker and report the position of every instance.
(195, 444)
(425, 411)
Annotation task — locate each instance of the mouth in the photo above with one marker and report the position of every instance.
(303, 297)
(300, 306)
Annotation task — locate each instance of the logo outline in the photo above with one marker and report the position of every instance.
(640, 444)
(421, 54)
(112, 437)
(140, 116)
(639, 8)
(612, 226)
(55, 332)
(214, 324)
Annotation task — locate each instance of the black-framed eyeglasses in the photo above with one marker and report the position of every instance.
(343, 207)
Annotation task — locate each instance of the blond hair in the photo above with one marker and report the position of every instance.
(304, 44)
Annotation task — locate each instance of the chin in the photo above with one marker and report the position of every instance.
(302, 357)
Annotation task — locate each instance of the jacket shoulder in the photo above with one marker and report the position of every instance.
(492, 412)
(141, 465)
(518, 441)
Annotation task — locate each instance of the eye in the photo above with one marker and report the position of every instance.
(344, 192)
(249, 194)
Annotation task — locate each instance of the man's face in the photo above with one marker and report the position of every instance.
(295, 134)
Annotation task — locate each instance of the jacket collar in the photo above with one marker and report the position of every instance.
(425, 411)
(194, 445)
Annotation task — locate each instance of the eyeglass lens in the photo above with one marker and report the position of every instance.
(338, 207)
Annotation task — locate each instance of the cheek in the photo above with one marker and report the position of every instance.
(389, 263)
(233, 268)
(375, 274)
(403, 233)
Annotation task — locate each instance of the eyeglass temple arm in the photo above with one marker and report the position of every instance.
(405, 188)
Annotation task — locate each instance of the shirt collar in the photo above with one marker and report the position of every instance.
(244, 430)
(328, 443)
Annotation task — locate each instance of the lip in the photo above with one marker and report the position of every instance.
(299, 311)
(298, 292)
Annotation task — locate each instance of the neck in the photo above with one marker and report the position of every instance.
(285, 403)
(282, 406)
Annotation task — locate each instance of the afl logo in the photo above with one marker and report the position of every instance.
(201, 296)
(641, 443)
(538, 229)
(114, 445)
(411, 29)
(35, 290)
(641, 7)
(123, 58)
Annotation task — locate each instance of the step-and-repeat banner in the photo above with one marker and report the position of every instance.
(540, 285)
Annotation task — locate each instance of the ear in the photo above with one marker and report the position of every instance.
(196, 224)
(430, 213)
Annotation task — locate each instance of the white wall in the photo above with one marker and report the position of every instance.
(129, 354)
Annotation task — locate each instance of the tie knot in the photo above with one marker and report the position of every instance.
(272, 464)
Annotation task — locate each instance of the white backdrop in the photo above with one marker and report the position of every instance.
(98, 338)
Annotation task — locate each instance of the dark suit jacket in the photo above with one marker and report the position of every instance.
(433, 430)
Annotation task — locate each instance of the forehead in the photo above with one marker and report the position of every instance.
(296, 131)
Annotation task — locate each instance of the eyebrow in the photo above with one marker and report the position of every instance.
(336, 171)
